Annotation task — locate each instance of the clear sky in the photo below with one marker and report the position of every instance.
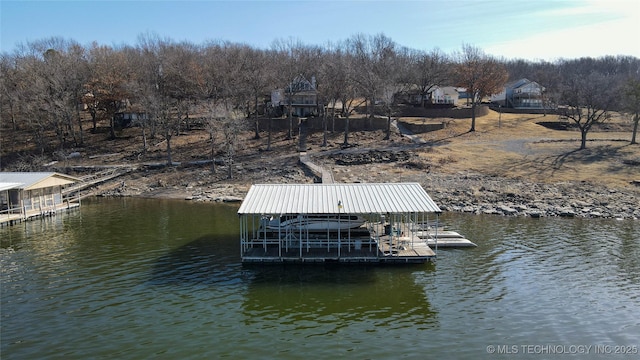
(527, 29)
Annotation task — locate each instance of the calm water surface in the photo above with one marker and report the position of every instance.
(135, 279)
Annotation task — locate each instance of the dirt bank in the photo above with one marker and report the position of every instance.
(484, 172)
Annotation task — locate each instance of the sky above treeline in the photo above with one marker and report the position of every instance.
(513, 29)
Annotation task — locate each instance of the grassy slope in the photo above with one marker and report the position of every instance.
(517, 147)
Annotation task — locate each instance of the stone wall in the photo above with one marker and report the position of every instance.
(523, 111)
(455, 113)
(315, 124)
(423, 128)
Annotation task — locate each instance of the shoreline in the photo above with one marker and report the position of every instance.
(466, 193)
(481, 194)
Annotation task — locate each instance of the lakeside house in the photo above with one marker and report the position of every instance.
(302, 94)
(24, 195)
(520, 94)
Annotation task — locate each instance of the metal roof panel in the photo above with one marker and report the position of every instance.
(35, 180)
(360, 198)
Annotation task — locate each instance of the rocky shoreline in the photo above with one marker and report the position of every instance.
(468, 193)
(480, 194)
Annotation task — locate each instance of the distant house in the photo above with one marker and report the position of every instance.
(411, 96)
(304, 97)
(520, 94)
(445, 95)
(127, 119)
(436, 95)
(28, 194)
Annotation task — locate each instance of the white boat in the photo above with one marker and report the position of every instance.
(315, 222)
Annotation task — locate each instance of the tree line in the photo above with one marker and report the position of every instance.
(52, 85)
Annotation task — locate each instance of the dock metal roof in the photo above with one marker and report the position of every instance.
(360, 198)
(34, 180)
(9, 186)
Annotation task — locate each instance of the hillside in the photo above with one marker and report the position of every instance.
(508, 154)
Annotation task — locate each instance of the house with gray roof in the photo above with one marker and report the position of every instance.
(520, 94)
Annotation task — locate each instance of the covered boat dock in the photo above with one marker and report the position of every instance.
(26, 195)
(361, 223)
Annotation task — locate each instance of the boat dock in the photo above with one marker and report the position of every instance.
(374, 242)
(334, 222)
(28, 195)
(361, 245)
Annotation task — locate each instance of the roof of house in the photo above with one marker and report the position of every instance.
(360, 198)
(34, 180)
(520, 83)
(300, 83)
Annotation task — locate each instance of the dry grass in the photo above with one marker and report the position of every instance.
(515, 146)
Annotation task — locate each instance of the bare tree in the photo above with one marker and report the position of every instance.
(333, 81)
(257, 78)
(585, 102)
(480, 74)
(351, 97)
(146, 63)
(297, 62)
(176, 88)
(374, 57)
(78, 70)
(339, 88)
(108, 82)
(61, 72)
(428, 71)
(211, 90)
(632, 104)
(388, 99)
(12, 84)
(213, 126)
(398, 81)
(27, 90)
(231, 124)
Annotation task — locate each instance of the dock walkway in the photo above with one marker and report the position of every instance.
(8, 218)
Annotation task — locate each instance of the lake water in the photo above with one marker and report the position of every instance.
(137, 278)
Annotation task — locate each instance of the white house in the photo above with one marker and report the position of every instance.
(445, 95)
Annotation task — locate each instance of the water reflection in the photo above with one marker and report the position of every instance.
(132, 278)
(207, 260)
(295, 292)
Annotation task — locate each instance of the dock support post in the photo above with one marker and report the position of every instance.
(437, 226)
